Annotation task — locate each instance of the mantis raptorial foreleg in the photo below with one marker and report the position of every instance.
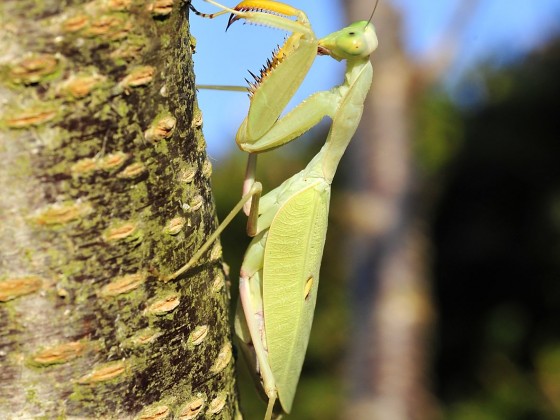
(280, 271)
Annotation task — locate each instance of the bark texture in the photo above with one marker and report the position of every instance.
(105, 191)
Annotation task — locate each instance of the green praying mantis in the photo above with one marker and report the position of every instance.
(280, 271)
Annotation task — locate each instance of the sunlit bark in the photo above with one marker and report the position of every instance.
(105, 191)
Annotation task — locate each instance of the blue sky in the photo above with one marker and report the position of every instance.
(499, 32)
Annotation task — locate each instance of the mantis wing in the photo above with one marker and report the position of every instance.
(291, 276)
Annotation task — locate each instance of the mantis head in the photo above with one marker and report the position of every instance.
(357, 40)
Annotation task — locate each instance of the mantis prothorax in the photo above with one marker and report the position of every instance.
(280, 271)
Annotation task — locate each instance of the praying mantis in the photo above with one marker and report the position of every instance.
(280, 271)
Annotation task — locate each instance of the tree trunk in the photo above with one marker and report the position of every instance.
(105, 192)
(388, 361)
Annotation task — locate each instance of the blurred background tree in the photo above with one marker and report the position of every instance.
(454, 215)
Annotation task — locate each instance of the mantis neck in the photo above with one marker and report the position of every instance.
(350, 96)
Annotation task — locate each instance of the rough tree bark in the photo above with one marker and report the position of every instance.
(105, 190)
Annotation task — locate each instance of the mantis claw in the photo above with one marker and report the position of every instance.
(232, 18)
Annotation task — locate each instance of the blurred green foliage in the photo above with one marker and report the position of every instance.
(440, 131)
(496, 234)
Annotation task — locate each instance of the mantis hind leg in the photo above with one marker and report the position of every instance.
(254, 191)
(250, 324)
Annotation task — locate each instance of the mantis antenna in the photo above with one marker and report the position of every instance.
(371, 16)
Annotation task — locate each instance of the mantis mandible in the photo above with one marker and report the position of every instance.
(280, 271)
